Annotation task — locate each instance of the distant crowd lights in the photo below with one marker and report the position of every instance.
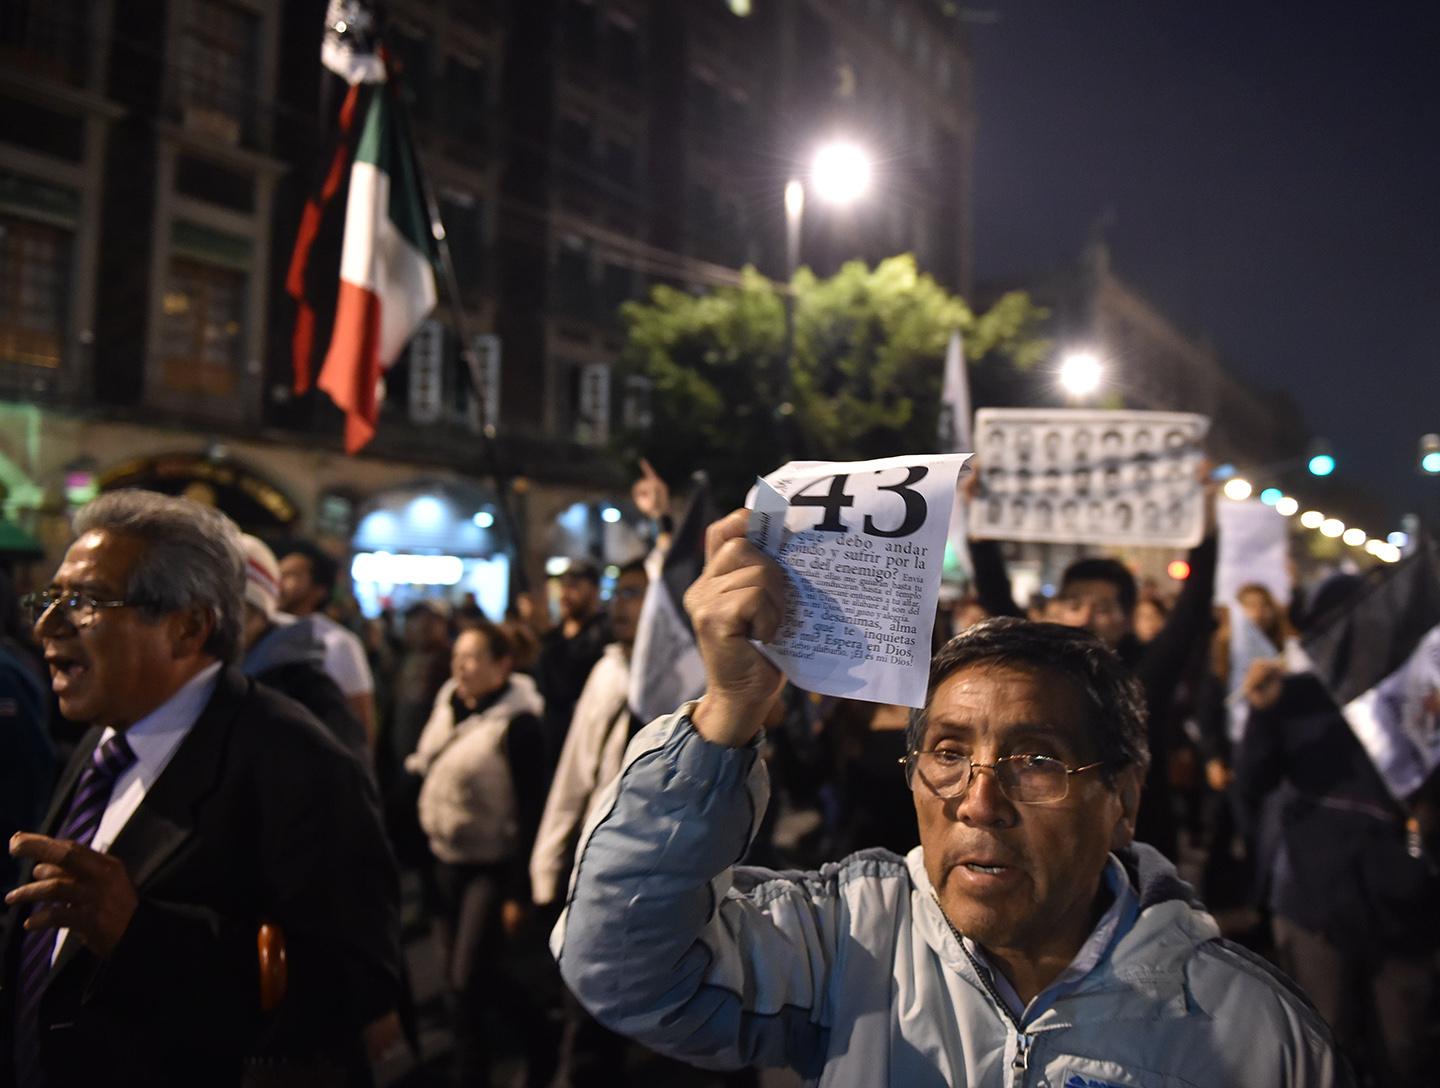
(1238, 489)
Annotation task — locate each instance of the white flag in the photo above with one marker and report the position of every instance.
(955, 437)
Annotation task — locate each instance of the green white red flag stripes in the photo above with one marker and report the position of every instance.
(387, 272)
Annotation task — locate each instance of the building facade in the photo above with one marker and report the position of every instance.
(155, 157)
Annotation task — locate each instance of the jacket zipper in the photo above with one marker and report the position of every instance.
(1021, 1062)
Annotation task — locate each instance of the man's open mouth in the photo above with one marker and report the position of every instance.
(64, 669)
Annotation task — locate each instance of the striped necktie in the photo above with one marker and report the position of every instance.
(37, 947)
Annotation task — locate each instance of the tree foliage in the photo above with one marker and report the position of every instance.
(864, 374)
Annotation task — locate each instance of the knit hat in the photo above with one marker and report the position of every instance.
(262, 576)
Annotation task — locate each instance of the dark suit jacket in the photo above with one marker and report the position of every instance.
(260, 815)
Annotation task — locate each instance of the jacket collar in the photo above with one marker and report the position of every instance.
(1149, 960)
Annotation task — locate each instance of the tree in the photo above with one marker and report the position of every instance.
(864, 375)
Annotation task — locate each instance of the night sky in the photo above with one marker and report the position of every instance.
(1270, 176)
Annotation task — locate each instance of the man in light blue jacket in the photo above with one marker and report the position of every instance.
(1026, 941)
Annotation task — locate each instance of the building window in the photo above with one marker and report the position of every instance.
(622, 49)
(201, 329)
(572, 277)
(707, 106)
(590, 397)
(636, 412)
(218, 59)
(737, 115)
(617, 286)
(467, 98)
(620, 162)
(34, 278)
(414, 70)
(47, 39)
(464, 217)
(574, 139)
(582, 39)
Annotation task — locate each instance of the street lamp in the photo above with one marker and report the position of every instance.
(1080, 373)
(839, 174)
(1237, 489)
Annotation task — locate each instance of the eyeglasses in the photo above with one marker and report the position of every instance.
(78, 609)
(1027, 780)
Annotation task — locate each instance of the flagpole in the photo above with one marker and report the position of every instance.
(490, 460)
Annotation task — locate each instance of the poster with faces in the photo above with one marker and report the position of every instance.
(1089, 477)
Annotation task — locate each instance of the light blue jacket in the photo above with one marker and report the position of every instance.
(851, 976)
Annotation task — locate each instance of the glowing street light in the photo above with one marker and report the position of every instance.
(1271, 495)
(1080, 373)
(1322, 464)
(1238, 489)
(1312, 519)
(1286, 506)
(1354, 537)
(840, 172)
(1332, 527)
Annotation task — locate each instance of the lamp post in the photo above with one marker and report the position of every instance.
(840, 174)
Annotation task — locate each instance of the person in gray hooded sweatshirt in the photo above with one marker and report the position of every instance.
(1026, 941)
(287, 654)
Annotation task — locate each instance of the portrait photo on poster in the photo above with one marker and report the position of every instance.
(1089, 476)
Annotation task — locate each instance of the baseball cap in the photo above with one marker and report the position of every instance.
(262, 575)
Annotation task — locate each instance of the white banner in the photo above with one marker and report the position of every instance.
(1254, 550)
(1089, 477)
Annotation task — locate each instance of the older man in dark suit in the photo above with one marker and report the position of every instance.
(198, 807)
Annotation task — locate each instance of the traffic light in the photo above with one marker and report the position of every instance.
(1430, 454)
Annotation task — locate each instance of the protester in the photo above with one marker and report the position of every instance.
(1150, 616)
(591, 757)
(570, 650)
(594, 745)
(1026, 932)
(198, 806)
(868, 804)
(1354, 897)
(27, 758)
(307, 583)
(423, 668)
(482, 756)
(287, 654)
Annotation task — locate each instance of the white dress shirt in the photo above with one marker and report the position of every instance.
(154, 739)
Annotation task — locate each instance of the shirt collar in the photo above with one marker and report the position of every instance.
(157, 732)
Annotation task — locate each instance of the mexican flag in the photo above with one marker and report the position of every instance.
(387, 273)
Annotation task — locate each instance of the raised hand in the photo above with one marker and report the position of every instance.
(650, 493)
(740, 596)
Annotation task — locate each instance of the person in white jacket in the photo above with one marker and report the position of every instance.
(1026, 941)
(482, 757)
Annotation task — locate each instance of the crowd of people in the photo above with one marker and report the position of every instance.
(204, 752)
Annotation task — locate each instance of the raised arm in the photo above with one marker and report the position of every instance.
(662, 939)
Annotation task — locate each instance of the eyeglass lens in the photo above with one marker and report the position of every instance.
(1024, 778)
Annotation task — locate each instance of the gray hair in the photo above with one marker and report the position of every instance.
(192, 559)
(1114, 699)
